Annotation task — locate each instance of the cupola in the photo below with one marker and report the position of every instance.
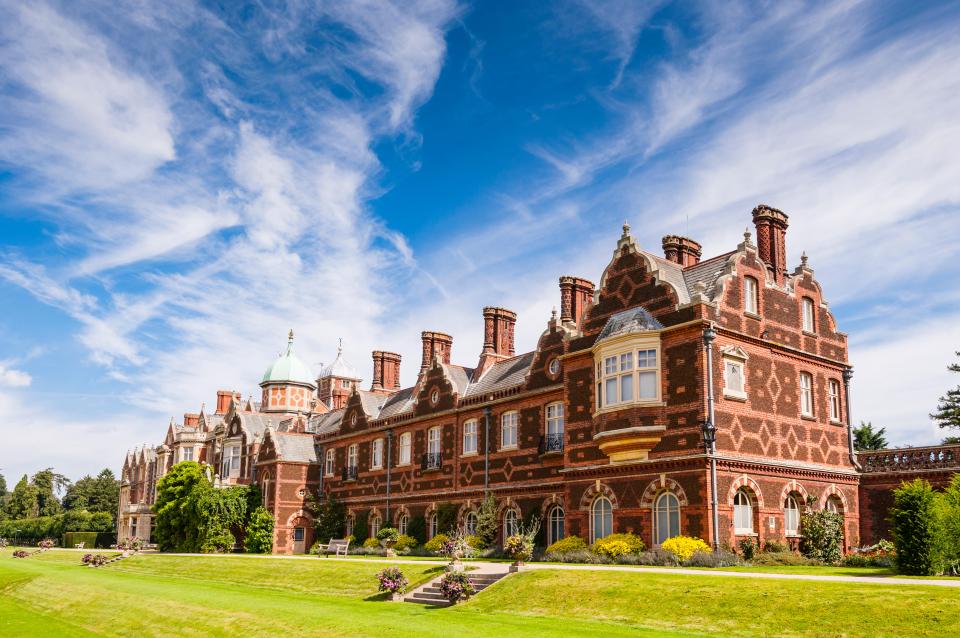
(288, 385)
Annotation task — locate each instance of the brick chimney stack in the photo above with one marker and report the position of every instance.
(191, 420)
(771, 227)
(386, 372)
(681, 250)
(435, 343)
(498, 341)
(576, 294)
(223, 400)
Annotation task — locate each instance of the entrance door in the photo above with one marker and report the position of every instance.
(299, 536)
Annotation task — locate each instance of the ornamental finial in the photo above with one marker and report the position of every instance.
(746, 235)
(804, 259)
(290, 336)
(626, 228)
(340, 346)
(553, 314)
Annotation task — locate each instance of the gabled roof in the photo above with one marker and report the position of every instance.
(707, 272)
(255, 423)
(371, 402)
(296, 448)
(325, 423)
(502, 375)
(397, 403)
(458, 376)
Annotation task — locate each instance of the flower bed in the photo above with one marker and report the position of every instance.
(20, 553)
(95, 560)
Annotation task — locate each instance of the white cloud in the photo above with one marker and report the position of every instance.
(13, 378)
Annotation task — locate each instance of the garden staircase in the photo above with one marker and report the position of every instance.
(485, 575)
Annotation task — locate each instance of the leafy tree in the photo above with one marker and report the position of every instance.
(951, 440)
(487, 520)
(330, 515)
(914, 519)
(948, 410)
(24, 502)
(948, 510)
(259, 538)
(447, 518)
(417, 528)
(94, 494)
(361, 526)
(4, 497)
(48, 483)
(866, 438)
(822, 534)
(3, 486)
(176, 524)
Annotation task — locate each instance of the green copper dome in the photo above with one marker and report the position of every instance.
(288, 369)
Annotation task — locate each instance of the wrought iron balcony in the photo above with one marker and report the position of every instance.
(551, 443)
(431, 461)
(349, 473)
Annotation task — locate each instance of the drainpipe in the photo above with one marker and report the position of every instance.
(847, 375)
(710, 435)
(389, 463)
(487, 413)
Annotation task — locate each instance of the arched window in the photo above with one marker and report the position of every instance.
(374, 526)
(470, 522)
(742, 513)
(555, 524)
(666, 515)
(349, 529)
(601, 519)
(834, 504)
(432, 525)
(791, 516)
(511, 523)
(402, 521)
(809, 321)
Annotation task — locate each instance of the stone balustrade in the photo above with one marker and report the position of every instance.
(935, 457)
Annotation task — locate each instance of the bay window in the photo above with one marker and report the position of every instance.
(628, 373)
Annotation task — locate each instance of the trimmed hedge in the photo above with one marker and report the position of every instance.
(914, 528)
(71, 539)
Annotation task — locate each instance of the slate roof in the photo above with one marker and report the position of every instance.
(255, 423)
(371, 402)
(459, 376)
(294, 447)
(397, 403)
(706, 272)
(325, 423)
(502, 375)
(671, 273)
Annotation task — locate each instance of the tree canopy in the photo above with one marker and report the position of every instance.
(948, 409)
(865, 437)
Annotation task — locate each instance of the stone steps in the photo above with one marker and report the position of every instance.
(429, 594)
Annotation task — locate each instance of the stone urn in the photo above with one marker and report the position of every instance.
(396, 597)
(388, 547)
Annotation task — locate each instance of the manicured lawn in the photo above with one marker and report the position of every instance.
(51, 594)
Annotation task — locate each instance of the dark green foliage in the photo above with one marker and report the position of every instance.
(217, 539)
(24, 501)
(94, 494)
(447, 518)
(259, 538)
(948, 409)
(330, 516)
(47, 483)
(487, 521)
(950, 440)
(71, 539)
(748, 547)
(38, 528)
(948, 527)
(913, 519)
(866, 438)
(3, 487)
(176, 524)
(417, 528)
(822, 535)
(361, 526)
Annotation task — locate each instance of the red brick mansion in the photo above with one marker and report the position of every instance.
(679, 396)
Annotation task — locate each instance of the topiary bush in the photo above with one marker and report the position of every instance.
(417, 528)
(913, 518)
(683, 547)
(435, 544)
(616, 545)
(568, 544)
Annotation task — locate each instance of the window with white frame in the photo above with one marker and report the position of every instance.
(555, 418)
(627, 377)
(508, 430)
(187, 453)
(402, 521)
(809, 323)
(601, 519)
(666, 513)
(470, 437)
(511, 523)
(433, 440)
(374, 526)
(733, 378)
(349, 525)
(231, 461)
(742, 513)
(376, 454)
(751, 296)
(432, 525)
(352, 456)
(791, 516)
(833, 389)
(328, 464)
(555, 524)
(806, 394)
(470, 522)
(405, 447)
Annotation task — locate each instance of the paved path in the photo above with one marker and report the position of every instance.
(874, 580)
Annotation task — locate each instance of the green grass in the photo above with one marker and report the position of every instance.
(154, 595)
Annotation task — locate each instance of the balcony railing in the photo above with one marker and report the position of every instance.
(551, 443)
(431, 461)
(910, 459)
(349, 473)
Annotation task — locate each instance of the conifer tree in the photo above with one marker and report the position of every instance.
(866, 438)
(948, 410)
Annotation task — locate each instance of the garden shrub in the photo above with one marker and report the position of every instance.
(217, 539)
(330, 515)
(748, 547)
(370, 543)
(405, 542)
(822, 535)
(417, 528)
(948, 526)
(568, 544)
(388, 534)
(259, 539)
(487, 521)
(683, 547)
(447, 517)
(914, 519)
(782, 558)
(713, 559)
(775, 547)
(616, 545)
(435, 544)
(474, 541)
(361, 527)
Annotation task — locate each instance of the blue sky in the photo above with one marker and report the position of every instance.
(181, 184)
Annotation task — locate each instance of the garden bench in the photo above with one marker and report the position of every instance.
(336, 546)
(79, 545)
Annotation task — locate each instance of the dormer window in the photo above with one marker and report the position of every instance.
(628, 372)
(751, 303)
(809, 323)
